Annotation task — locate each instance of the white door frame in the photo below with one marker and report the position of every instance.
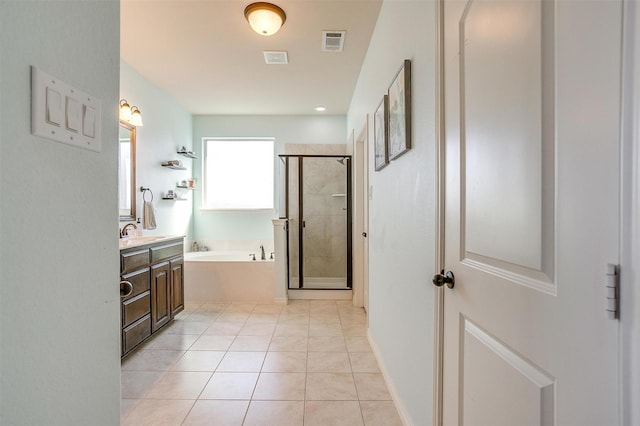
(630, 223)
(438, 308)
(361, 217)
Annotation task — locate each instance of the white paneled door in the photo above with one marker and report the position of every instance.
(532, 95)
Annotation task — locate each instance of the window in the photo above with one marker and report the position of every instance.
(238, 174)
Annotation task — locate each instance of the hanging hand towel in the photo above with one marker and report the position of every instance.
(148, 216)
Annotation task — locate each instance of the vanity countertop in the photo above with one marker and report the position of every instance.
(130, 242)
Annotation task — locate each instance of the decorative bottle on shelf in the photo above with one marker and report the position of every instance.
(195, 247)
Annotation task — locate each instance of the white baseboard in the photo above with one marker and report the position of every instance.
(280, 300)
(402, 411)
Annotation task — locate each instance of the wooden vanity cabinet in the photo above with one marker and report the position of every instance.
(161, 301)
(135, 310)
(156, 274)
(177, 285)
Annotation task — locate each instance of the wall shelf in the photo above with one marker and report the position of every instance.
(173, 165)
(184, 187)
(188, 154)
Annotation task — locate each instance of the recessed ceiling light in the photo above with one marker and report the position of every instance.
(321, 108)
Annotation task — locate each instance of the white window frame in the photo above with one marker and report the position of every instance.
(270, 173)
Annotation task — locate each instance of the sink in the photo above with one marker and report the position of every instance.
(133, 241)
(144, 238)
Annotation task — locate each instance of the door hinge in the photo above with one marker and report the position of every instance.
(612, 284)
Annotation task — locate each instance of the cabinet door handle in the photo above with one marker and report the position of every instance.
(126, 288)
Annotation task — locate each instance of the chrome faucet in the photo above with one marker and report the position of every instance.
(262, 256)
(123, 231)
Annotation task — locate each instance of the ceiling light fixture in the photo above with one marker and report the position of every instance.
(265, 18)
(321, 108)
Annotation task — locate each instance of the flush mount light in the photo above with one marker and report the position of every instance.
(320, 108)
(265, 18)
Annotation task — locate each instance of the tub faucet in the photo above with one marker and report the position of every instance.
(262, 256)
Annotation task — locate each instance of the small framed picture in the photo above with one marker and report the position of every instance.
(400, 112)
(381, 133)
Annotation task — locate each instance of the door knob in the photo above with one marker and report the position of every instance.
(126, 288)
(441, 279)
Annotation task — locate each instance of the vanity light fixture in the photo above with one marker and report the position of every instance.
(130, 114)
(125, 110)
(265, 18)
(136, 117)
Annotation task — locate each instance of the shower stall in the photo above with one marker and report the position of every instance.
(317, 204)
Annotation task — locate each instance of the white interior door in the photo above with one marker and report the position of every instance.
(532, 144)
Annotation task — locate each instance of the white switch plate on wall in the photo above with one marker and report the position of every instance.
(64, 114)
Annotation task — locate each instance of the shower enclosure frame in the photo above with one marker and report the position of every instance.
(301, 224)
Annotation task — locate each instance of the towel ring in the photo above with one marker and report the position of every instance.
(144, 192)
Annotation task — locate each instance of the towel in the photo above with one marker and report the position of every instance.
(148, 216)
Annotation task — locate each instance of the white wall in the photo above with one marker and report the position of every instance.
(255, 225)
(167, 126)
(59, 297)
(402, 220)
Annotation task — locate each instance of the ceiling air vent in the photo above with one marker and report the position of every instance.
(333, 41)
(275, 58)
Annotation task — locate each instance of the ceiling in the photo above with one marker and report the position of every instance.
(206, 56)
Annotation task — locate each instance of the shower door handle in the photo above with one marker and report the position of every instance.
(304, 224)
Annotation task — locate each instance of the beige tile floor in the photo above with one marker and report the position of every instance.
(306, 363)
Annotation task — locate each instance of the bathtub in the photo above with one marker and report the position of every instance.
(229, 276)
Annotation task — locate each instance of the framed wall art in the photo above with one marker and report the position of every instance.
(381, 134)
(400, 112)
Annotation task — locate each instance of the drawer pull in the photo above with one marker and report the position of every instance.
(126, 288)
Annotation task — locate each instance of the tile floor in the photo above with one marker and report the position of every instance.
(306, 363)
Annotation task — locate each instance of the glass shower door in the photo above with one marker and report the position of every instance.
(319, 229)
(324, 231)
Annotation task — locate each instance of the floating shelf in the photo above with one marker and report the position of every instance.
(174, 199)
(184, 187)
(188, 154)
(174, 167)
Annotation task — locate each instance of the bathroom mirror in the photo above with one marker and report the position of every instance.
(127, 172)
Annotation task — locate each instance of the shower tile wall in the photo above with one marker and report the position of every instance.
(324, 186)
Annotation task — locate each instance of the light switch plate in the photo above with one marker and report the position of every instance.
(72, 118)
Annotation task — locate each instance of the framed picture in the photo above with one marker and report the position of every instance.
(400, 112)
(381, 133)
